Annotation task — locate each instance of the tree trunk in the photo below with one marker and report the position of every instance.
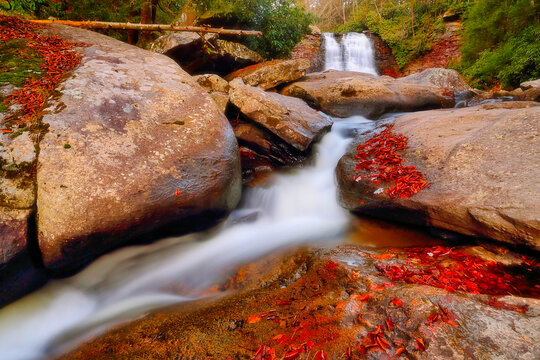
(149, 27)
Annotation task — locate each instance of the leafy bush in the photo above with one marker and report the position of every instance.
(282, 22)
(500, 43)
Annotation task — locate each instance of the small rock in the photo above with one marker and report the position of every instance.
(289, 118)
(270, 74)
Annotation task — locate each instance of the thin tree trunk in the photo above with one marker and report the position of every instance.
(149, 27)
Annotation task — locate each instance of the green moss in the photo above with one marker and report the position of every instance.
(18, 62)
(3, 106)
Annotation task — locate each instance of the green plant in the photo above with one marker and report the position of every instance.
(500, 43)
(282, 22)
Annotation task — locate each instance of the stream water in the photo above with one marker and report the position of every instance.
(297, 207)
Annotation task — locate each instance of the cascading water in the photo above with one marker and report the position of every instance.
(354, 53)
(298, 207)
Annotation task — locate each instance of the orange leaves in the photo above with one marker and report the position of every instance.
(420, 346)
(389, 324)
(7, 131)
(58, 58)
(253, 319)
(177, 192)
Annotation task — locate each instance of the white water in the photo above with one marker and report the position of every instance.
(298, 207)
(354, 53)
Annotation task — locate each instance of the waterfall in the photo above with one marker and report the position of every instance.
(354, 53)
(298, 207)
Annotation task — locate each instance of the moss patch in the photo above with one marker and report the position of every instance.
(18, 62)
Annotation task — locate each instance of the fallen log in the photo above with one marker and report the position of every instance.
(149, 27)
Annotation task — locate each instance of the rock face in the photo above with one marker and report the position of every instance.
(170, 41)
(134, 144)
(384, 58)
(14, 230)
(196, 55)
(17, 193)
(217, 87)
(442, 78)
(482, 167)
(289, 118)
(334, 301)
(530, 84)
(344, 94)
(309, 48)
(270, 74)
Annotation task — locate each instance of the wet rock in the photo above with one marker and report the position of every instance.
(441, 78)
(217, 87)
(270, 74)
(336, 301)
(138, 146)
(289, 118)
(344, 94)
(480, 163)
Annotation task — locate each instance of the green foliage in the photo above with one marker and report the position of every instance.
(501, 43)
(283, 22)
(410, 27)
(30, 7)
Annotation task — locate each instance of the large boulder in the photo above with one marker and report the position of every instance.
(481, 164)
(289, 118)
(270, 74)
(442, 78)
(167, 43)
(134, 144)
(197, 55)
(342, 302)
(345, 93)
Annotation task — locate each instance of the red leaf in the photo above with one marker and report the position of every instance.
(320, 355)
(291, 355)
(253, 319)
(390, 324)
(397, 302)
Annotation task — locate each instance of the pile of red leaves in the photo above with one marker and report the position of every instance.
(379, 161)
(450, 269)
(58, 58)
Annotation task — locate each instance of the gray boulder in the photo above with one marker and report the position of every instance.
(134, 145)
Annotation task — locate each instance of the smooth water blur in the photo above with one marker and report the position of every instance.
(298, 207)
(354, 53)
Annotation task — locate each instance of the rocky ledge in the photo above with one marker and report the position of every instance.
(348, 303)
(481, 165)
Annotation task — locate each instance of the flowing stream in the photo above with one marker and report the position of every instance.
(298, 207)
(353, 53)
